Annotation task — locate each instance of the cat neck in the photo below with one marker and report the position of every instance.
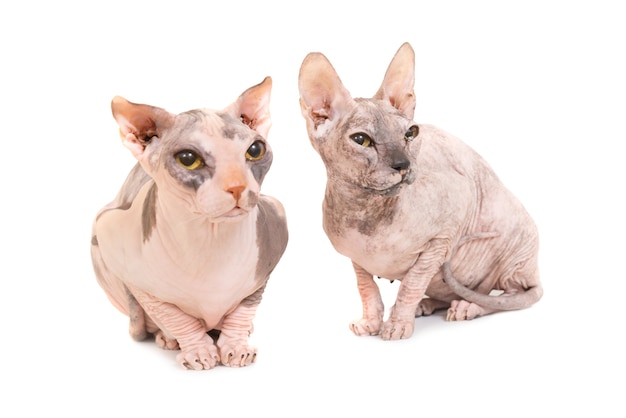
(348, 207)
(187, 236)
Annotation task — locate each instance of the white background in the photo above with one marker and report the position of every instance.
(536, 87)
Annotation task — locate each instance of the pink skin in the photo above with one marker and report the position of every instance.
(410, 202)
(178, 250)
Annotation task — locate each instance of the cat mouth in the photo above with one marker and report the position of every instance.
(234, 212)
(233, 215)
(394, 188)
(387, 191)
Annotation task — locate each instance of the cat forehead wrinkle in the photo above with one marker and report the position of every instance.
(369, 118)
(198, 121)
(234, 128)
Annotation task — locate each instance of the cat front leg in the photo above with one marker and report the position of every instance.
(197, 350)
(235, 332)
(412, 290)
(373, 308)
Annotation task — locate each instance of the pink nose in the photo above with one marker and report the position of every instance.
(236, 191)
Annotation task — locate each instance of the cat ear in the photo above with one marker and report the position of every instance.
(322, 94)
(397, 86)
(253, 107)
(139, 123)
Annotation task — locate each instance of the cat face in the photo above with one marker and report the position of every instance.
(369, 143)
(373, 146)
(213, 162)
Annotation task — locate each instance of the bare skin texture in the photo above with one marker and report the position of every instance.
(187, 246)
(410, 202)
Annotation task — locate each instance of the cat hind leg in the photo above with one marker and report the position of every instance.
(427, 306)
(462, 310)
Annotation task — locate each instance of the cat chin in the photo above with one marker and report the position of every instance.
(232, 216)
(388, 190)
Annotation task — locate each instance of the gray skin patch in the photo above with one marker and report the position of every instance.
(134, 182)
(192, 179)
(368, 208)
(255, 298)
(188, 123)
(370, 211)
(233, 127)
(136, 315)
(148, 215)
(260, 168)
(272, 238)
(253, 198)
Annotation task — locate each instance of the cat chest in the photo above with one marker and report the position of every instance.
(204, 281)
(390, 254)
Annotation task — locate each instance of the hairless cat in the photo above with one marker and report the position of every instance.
(410, 202)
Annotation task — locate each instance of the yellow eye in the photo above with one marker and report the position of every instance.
(361, 139)
(412, 133)
(189, 160)
(256, 151)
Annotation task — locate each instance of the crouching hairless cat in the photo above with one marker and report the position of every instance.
(410, 202)
(187, 246)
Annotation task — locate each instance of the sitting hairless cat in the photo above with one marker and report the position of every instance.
(410, 202)
(187, 246)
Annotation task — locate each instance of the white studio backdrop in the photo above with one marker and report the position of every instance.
(537, 88)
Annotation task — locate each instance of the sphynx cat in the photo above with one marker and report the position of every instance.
(410, 202)
(187, 246)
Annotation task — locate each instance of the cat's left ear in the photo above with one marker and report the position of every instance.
(397, 86)
(253, 107)
(139, 123)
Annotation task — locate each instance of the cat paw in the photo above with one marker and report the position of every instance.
(202, 357)
(165, 342)
(397, 329)
(427, 306)
(364, 326)
(237, 355)
(462, 310)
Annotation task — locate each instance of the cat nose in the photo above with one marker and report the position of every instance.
(399, 161)
(236, 191)
(401, 165)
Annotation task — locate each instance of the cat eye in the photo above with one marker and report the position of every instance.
(256, 151)
(361, 139)
(188, 159)
(412, 133)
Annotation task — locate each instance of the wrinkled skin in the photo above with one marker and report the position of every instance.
(410, 202)
(186, 248)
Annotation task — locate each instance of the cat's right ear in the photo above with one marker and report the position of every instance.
(139, 123)
(323, 96)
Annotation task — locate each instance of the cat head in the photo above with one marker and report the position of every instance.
(371, 143)
(211, 161)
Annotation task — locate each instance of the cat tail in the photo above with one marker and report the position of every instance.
(500, 302)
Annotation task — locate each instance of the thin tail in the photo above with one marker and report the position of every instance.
(501, 303)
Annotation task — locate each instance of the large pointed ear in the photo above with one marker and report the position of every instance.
(397, 86)
(322, 94)
(253, 107)
(139, 123)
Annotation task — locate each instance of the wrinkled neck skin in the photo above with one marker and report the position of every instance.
(348, 206)
(188, 236)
